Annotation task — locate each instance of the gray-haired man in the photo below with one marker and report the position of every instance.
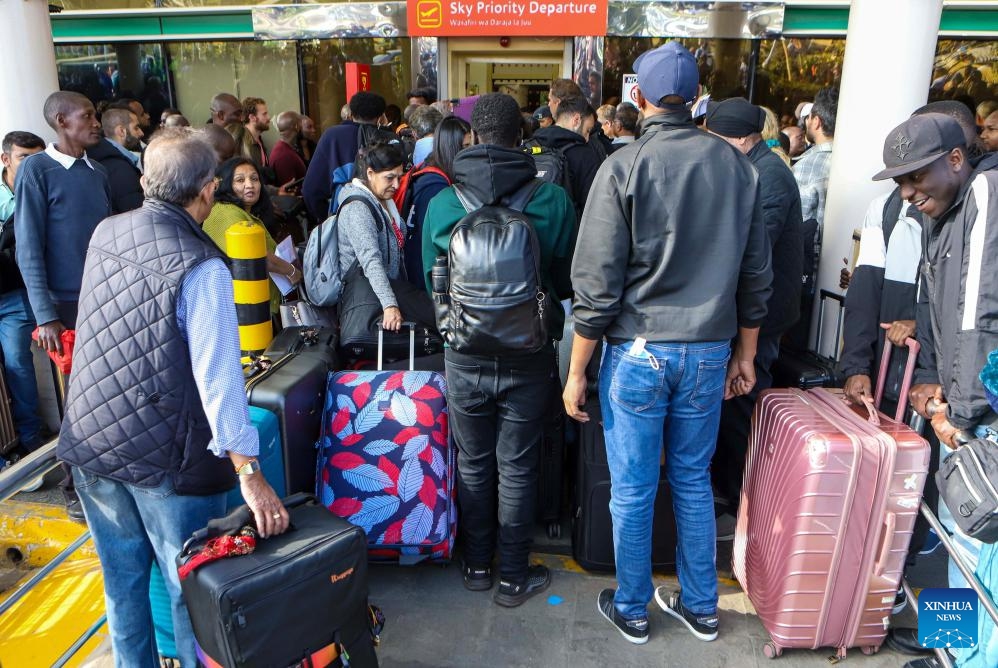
(156, 412)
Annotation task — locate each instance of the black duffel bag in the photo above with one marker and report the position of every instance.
(968, 485)
(360, 315)
(298, 597)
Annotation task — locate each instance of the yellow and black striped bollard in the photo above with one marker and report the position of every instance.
(247, 245)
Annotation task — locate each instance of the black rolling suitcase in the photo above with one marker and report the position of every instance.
(293, 387)
(551, 472)
(808, 369)
(298, 599)
(306, 340)
(592, 525)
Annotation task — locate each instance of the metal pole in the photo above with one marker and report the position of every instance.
(753, 68)
(21, 591)
(81, 641)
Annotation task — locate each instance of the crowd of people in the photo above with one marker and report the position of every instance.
(684, 232)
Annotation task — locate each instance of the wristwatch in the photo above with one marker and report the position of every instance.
(249, 468)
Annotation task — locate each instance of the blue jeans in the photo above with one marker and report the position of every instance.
(131, 526)
(670, 394)
(16, 324)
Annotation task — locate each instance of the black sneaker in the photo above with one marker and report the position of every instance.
(477, 578)
(703, 627)
(900, 601)
(511, 594)
(633, 630)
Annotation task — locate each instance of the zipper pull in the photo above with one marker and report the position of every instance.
(240, 618)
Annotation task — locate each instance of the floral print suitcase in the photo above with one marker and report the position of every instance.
(386, 462)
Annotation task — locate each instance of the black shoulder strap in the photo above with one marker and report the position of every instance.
(519, 200)
(469, 201)
(892, 211)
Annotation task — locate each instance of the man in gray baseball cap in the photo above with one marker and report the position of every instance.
(958, 293)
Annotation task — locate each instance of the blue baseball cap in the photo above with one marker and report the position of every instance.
(668, 70)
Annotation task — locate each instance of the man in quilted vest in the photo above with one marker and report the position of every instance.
(156, 417)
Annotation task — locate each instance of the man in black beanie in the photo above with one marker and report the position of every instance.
(740, 124)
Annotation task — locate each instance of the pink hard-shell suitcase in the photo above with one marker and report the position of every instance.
(827, 510)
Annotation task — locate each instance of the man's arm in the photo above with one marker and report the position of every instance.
(574, 395)
(30, 230)
(584, 172)
(978, 330)
(602, 255)
(316, 186)
(206, 315)
(562, 213)
(755, 277)
(861, 328)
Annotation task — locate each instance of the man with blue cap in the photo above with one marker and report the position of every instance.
(672, 264)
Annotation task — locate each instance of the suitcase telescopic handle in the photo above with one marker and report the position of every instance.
(412, 344)
(909, 372)
(825, 295)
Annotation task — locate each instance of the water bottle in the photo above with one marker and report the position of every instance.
(438, 278)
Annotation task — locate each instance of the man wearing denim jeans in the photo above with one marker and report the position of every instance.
(16, 319)
(156, 417)
(957, 195)
(672, 261)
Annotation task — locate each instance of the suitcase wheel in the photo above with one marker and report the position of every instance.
(554, 529)
(771, 650)
(870, 650)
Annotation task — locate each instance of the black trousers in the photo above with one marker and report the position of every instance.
(728, 465)
(67, 312)
(498, 408)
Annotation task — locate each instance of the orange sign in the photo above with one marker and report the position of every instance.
(539, 18)
(358, 78)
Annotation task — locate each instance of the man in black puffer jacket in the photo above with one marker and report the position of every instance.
(740, 123)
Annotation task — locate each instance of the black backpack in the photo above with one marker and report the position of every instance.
(495, 301)
(552, 165)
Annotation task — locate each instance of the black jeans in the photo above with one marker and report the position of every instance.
(498, 408)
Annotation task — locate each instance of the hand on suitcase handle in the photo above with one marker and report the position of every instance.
(909, 369)
(899, 332)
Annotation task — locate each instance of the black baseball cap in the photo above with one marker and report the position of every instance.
(542, 112)
(919, 141)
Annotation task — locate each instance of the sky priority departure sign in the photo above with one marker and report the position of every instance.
(540, 18)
